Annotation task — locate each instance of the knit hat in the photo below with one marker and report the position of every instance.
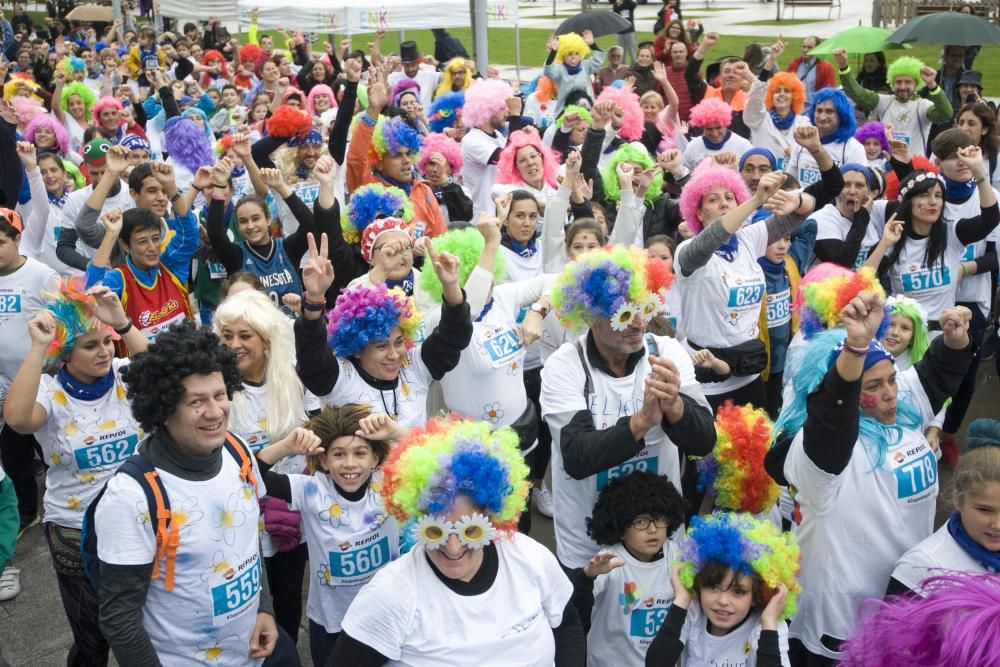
(95, 152)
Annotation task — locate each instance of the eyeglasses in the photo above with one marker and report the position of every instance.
(529, 157)
(642, 522)
(474, 531)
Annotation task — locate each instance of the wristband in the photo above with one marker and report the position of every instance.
(125, 329)
(979, 180)
(220, 187)
(857, 351)
(313, 306)
(846, 70)
(174, 197)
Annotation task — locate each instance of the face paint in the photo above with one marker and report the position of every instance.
(868, 401)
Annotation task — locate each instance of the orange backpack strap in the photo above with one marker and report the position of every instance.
(167, 532)
(239, 452)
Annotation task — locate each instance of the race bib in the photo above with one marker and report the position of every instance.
(970, 253)
(500, 345)
(10, 302)
(743, 297)
(642, 462)
(809, 175)
(108, 450)
(216, 271)
(926, 280)
(915, 474)
(233, 589)
(782, 161)
(779, 308)
(901, 136)
(356, 562)
(308, 192)
(862, 256)
(646, 619)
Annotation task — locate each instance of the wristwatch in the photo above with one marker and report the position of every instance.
(540, 309)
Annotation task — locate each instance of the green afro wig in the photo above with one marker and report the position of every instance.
(904, 66)
(639, 156)
(467, 245)
(573, 108)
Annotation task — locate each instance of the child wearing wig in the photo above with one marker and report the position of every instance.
(907, 336)
(73, 107)
(629, 579)
(735, 584)
(462, 486)
(772, 112)
(344, 521)
(713, 116)
(572, 62)
(872, 136)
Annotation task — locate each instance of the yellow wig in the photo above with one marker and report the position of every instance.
(454, 65)
(571, 43)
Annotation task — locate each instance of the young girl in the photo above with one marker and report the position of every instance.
(736, 582)
(907, 336)
(872, 137)
(634, 516)
(350, 536)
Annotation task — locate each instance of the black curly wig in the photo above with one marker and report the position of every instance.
(627, 497)
(153, 379)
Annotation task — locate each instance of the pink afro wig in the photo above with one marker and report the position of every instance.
(446, 146)
(819, 273)
(320, 90)
(27, 108)
(45, 120)
(483, 99)
(507, 172)
(790, 81)
(872, 130)
(667, 130)
(404, 86)
(711, 111)
(633, 121)
(105, 102)
(708, 176)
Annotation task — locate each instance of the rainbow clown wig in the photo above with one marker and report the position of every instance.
(845, 112)
(483, 100)
(431, 467)
(791, 82)
(81, 90)
(507, 172)
(47, 121)
(370, 203)
(467, 245)
(708, 176)
(822, 300)
(633, 120)
(76, 315)
(390, 136)
(735, 468)
(617, 283)
(746, 545)
(71, 65)
(571, 43)
(454, 66)
(711, 111)
(917, 314)
(445, 111)
(907, 66)
(449, 149)
(872, 130)
(637, 154)
(106, 102)
(364, 315)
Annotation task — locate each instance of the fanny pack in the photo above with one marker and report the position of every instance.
(747, 358)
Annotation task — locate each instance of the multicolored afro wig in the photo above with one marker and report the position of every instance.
(106, 102)
(71, 65)
(76, 315)
(467, 245)
(449, 149)
(708, 176)
(454, 66)
(287, 122)
(907, 66)
(711, 111)
(638, 155)
(571, 43)
(948, 623)
(617, 283)
(484, 99)
(187, 144)
(633, 119)
(873, 129)
(822, 300)
(507, 171)
(48, 122)
(819, 272)
(582, 112)
(364, 315)
(735, 468)
(370, 203)
(391, 136)
(791, 82)
(914, 311)
(81, 90)
(431, 467)
(845, 111)
(746, 545)
(445, 111)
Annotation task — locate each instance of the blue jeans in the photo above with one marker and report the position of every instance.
(321, 643)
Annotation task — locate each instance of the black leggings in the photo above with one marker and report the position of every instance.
(960, 402)
(800, 656)
(543, 452)
(285, 570)
(18, 455)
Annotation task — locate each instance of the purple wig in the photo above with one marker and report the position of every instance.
(872, 130)
(955, 620)
(187, 144)
(403, 86)
(484, 99)
(507, 172)
(450, 149)
(45, 120)
(706, 177)
(633, 120)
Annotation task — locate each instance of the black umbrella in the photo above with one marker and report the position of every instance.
(599, 22)
(946, 28)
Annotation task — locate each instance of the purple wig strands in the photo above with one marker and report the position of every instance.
(44, 120)
(187, 144)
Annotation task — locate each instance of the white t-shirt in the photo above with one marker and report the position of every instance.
(803, 165)
(620, 634)
(738, 648)
(562, 396)
(909, 120)
(973, 289)
(83, 443)
(477, 175)
(721, 301)
(408, 615)
(349, 541)
(210, 614)
(74, 204)
(697, 151)
(427, 79)
(521, 268)
(406, 403)
(934, 287)
(938, 554)
(763, 132)
(831, 224)
(854, 526)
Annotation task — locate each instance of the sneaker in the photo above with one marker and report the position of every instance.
(542, 498)
(949, 451)
(25, 525)
(10, 583)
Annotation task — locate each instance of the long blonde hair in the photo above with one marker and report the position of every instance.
(284, 400)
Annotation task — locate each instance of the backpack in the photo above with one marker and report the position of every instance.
(139, 468)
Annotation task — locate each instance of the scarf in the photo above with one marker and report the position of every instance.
(956, 193)
(405, 187)
(486, 309)
(59, 201)
(988, 559)
(728, 250)
(712, 146)
(782, 123)
(526, 250)
(302, 173)
(405, 284)
(829, 139)
(85, 391)
(774, 268)
(573, 70)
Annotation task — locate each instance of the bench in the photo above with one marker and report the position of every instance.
(811, 3)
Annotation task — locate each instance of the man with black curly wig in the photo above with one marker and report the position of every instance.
(210, 598)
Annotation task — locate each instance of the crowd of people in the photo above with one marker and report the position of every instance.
(278, 311)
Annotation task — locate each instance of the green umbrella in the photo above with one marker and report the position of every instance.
(857, 40)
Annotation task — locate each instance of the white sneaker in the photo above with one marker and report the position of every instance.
(542, 498)
(10, 583)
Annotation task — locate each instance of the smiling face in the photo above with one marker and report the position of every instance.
(879, 392)
(77, 109)
(151, 196)
(899, 336)
(613, 343)
(249, 348)
(782, 99)
(53, 175)
(110, 118)
(306, 155)
(825, 118)
(522, 221)
(651, 106)
(383, 359)
(198, 424)
(730, 77)
(715, 133)
(903, 88)
(349, 461)
(321, 103)
(715, 204)
(45, 137)
(727, 603)
(644, 58)
(455, 560)
(91, 357)
(980, 510)
(584, 241)
(873, 148)
(529, 165)
(144, 248)
(253, 222)
(230, 98)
